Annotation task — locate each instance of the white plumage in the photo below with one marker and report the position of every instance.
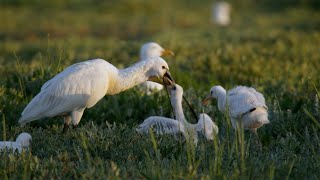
(161, 125)
(152, 49)
(23, 141)
(82, 85)
(164, 125)
(221, 13)
(246, 106)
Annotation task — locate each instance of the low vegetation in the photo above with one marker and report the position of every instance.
(272, 48)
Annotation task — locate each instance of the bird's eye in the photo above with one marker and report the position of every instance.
(163, 67)
(211, 92)
(174, 88)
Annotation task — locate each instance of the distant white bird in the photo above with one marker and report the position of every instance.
(246, 106)
(221, 13)
(23, 141)
(82, 85)
(152, 49)
(164, 125)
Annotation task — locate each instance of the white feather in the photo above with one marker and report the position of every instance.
(242, 99)
(245, 106)
(23, 141)
(161, 125)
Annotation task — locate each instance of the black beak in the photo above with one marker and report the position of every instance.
(167, 79)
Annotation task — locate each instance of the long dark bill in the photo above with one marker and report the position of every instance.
(167, 79)
(167, 90)
(191, 108)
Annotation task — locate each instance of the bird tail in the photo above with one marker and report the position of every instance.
(22, 121)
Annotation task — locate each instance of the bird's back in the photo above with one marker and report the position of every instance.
(161, 125)
(242, 99)
(80, 85)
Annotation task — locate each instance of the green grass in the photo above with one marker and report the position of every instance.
(274, 49)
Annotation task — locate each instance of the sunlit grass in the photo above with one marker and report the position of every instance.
(277, 53)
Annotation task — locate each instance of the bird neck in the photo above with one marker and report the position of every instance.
(130, 77)
(178, 111)
(222, 100)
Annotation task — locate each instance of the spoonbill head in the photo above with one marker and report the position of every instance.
(152, 49)
(215, 92)
(160, 72)
(24, 139)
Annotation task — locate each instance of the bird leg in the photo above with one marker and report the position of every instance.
(67, 121)
(76, 117)
(258, 142)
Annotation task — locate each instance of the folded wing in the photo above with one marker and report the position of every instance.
(161, 125)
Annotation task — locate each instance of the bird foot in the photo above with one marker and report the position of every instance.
(75, 126)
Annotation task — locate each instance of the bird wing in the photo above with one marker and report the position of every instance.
(80, 85)
(161, 125)
(259, 97)
(205, 123)
(241, 100)
(10, 145)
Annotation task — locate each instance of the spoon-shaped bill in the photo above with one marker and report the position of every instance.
(167, 79)
(206, 100)
(167, 52)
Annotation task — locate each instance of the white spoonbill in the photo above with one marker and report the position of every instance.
(23, 141)
(82, 85)
(163, 125)
(246, 106)
(152, 49)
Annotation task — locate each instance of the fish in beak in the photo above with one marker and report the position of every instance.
(167, 52)
(206, 100)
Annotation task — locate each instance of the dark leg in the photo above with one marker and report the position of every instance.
(67, 121)
(65, 128)
(258, 142)
(75, 126)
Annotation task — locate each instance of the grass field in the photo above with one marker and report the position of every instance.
(272, 47)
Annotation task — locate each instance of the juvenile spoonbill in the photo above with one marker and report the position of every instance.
(82, 85)
(163, 125)
(246, 106)
(23, 141)
(152, 49)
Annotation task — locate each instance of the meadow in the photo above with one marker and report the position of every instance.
(271, 46)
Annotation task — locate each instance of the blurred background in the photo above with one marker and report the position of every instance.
(270, 45)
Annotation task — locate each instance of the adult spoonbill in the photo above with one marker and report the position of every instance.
(152, 49)
(23, 141)
(82, 85)
(246, 106)
(163, 125)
